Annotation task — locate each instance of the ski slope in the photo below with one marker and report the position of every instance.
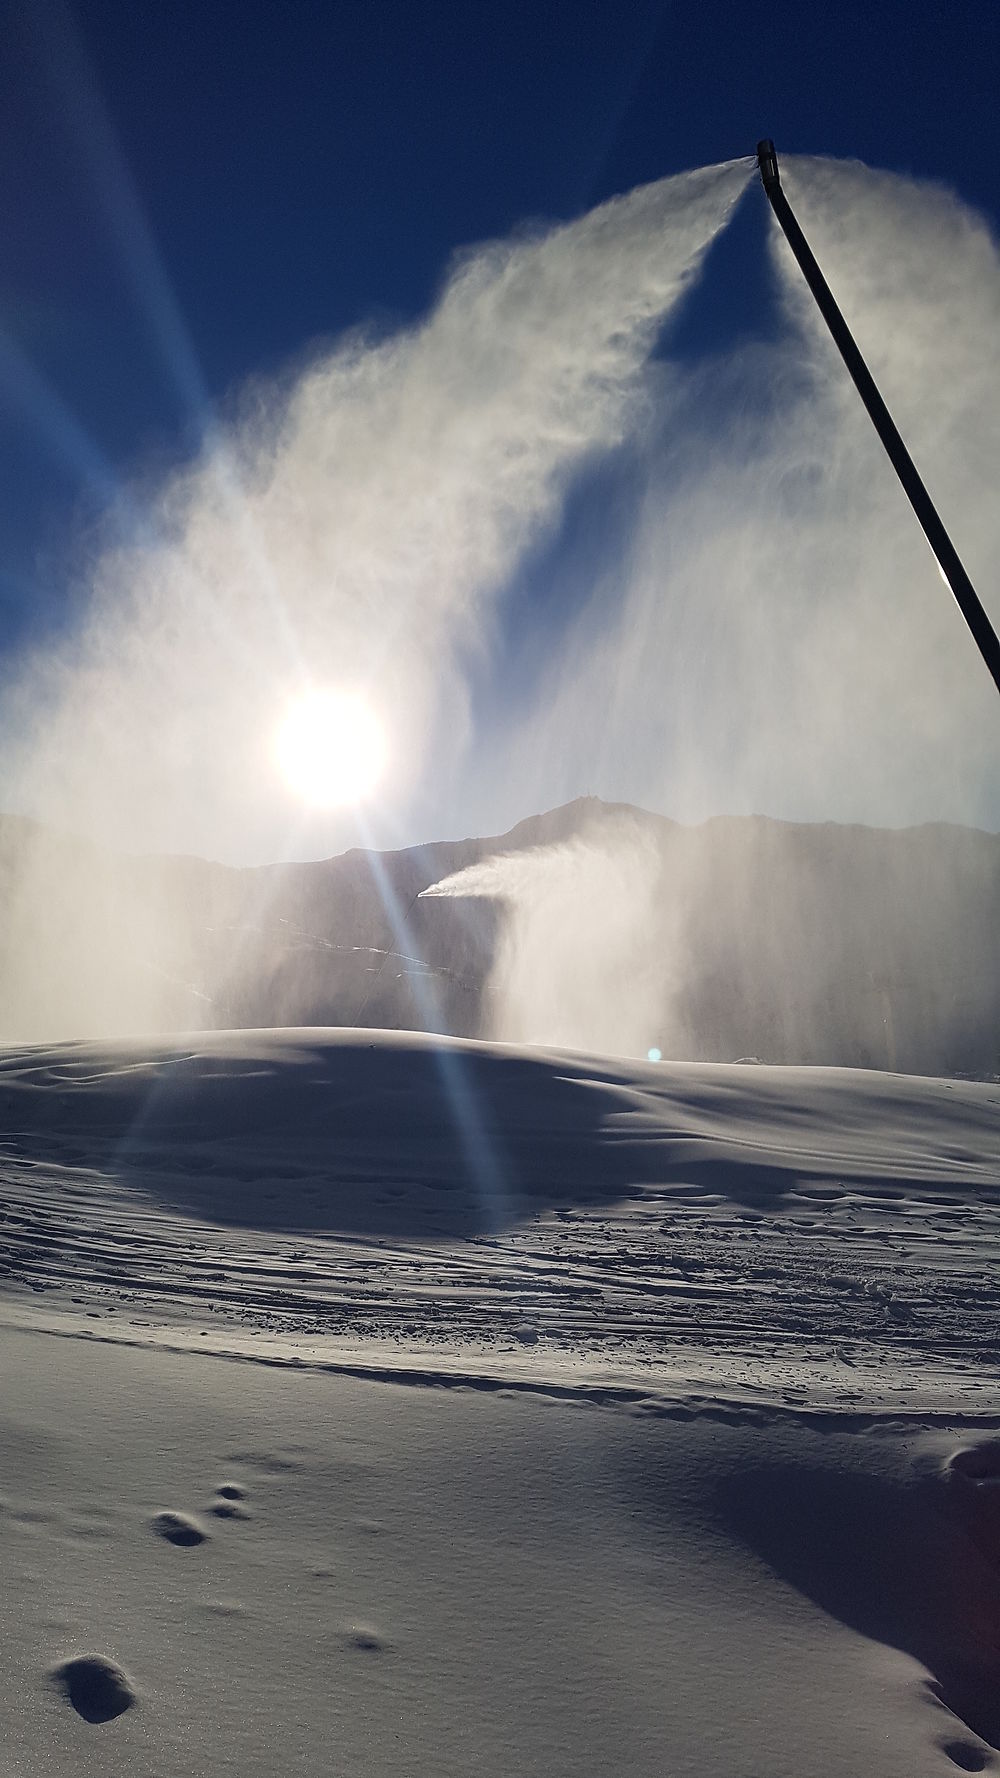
(382, 1404)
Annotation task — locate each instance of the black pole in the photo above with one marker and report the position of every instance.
(944, 550)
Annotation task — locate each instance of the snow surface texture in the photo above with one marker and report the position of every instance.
(380, 1404)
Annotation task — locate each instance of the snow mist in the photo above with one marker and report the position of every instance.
(771, 636)
(775, 637)
(585, 955)
(356, 524)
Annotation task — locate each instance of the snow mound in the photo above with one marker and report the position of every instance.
(398, 1133)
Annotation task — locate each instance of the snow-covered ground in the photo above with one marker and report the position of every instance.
(539, 1413)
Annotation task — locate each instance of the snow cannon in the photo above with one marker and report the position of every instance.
(767, 161)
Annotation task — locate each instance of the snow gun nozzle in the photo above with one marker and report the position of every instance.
(767, 161)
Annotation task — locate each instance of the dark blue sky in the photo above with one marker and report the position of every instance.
(194, 191)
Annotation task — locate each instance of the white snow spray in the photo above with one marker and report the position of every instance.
(776, 638)
(585, 956)
(773, 636)
(357, 523)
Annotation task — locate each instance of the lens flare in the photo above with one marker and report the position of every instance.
(331, 749)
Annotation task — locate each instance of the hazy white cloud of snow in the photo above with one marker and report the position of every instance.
(774, 638)
(778, 639)
(354, 526)
(585, 957)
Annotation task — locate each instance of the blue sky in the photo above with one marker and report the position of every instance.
(304, 169)
(196, 197)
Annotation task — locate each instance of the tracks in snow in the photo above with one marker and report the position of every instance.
(825, 1270)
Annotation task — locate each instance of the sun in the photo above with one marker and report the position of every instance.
(330, 748)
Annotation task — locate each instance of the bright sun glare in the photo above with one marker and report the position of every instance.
(331, 748)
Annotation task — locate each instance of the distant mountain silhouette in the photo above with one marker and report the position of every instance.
(798, 943)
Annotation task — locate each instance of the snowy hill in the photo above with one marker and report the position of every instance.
(751, 937)
(781, 1202)
(382, 1404)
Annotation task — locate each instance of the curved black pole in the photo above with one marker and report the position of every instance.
(944, 550)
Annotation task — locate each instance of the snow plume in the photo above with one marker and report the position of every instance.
(777, 638)
(585, 956)
(356, 525)
(771, 637)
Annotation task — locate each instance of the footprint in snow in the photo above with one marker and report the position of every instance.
(979, 1462)
(180, 1529)
(95, 1686)
(966, 1755)
(229, 1501)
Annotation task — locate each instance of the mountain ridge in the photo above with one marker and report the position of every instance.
(796, 942)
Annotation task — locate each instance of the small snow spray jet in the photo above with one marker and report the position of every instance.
(952, 572)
